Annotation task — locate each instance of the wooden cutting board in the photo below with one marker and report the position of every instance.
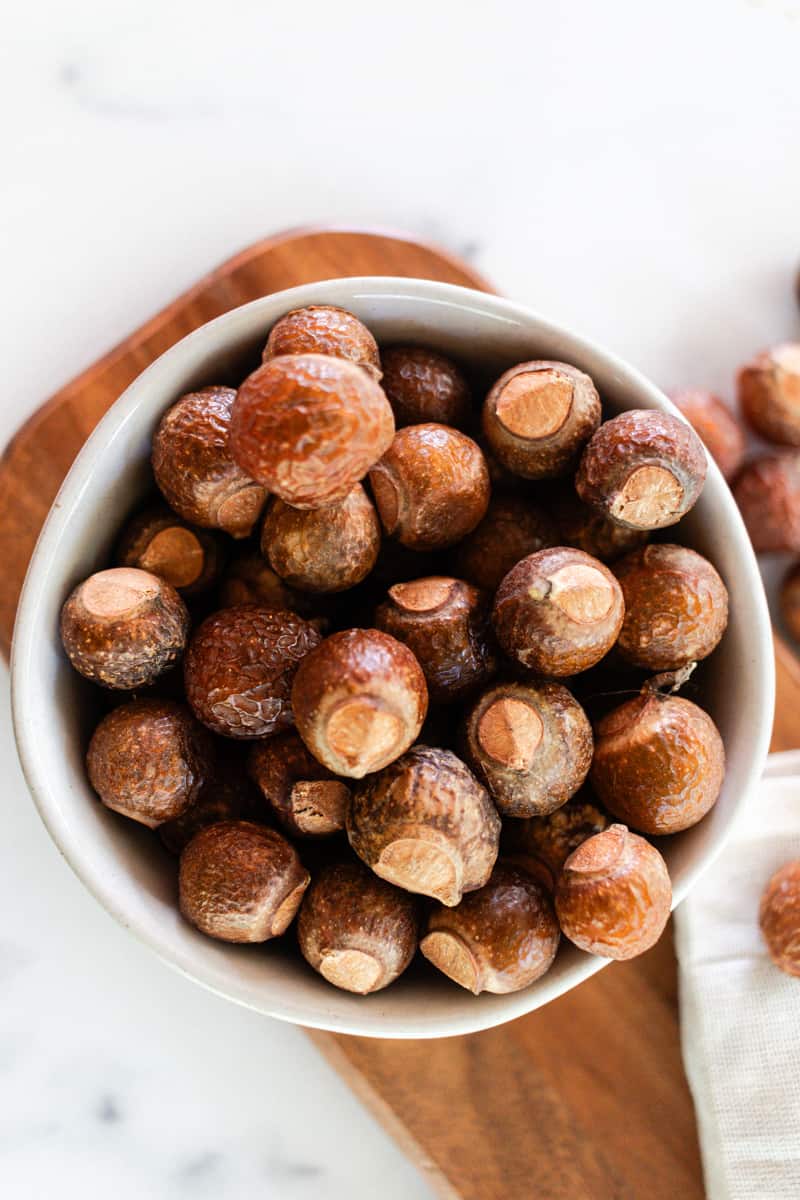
(585, 1098)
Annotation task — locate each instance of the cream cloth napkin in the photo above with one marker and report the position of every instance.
(740, 1015)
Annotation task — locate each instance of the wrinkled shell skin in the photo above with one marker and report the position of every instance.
(349, 915)
(368, 671)
(449, 636)
(534, 628)
(512, 529)
(187, 557)
(251, 580)
(324, 329)
(277, 766)
(547, 772)
(423, 386)
(426, 824)
(194, 468)
(633, 440)
(769, 394)
(715, 425)
(767, 490)
(239, 669)
(431, 487)
(323, 550)
(550, 840)
(790, 601)
(240, 882)
(658, 763)
(228, 795)
(552, 453)
(132, 649)
(676, 607)
(614, 895)
(149, 760)
(499, 939)
(779, 918)
(588, 530)
(309, 427)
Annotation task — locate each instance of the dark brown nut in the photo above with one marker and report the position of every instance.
(767, 490)
(779, 918)
(122, 628)
(158, 541)
(512, 529)
(558, 612)
(324, 329)
(241, 882)
(431, 487)
(149, 760)
(769, 394)
(715, 425)
(194, 468)
(324, 549)
(790, 601)
(305, 797)
(531, 744)
(643, 469)
(549, 841)
(538, 417)
(359, 701)
(588, 530)
(422, 386)
(613, 897)
(499, 939)
(309, 427)
(251, 580)
(356, 930)
(228, 795)
(676, 607)
(426, 824)
(239, 669)
(659, 762)
(445, 623)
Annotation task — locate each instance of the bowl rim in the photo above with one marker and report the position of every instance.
(76, 849)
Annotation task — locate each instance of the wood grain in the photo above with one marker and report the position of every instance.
(585, 1098)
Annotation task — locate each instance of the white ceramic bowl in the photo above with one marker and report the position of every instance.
(123, 865)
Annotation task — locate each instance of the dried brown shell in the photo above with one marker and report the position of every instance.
(769, 394)
(122, 628)
(251, 580)
(189, 558)
(228, 795)
(779, 918)
(422, 385)
(715, 425)
(767, 490)
(550, 840)
(324, 329)
(593, 532)
(512, 529)
(305, 797)
(325, 549)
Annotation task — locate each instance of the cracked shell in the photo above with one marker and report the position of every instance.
(422, 385)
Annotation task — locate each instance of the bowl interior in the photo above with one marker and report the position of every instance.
(53, 709)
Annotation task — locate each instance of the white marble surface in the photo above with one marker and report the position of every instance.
(630, 169)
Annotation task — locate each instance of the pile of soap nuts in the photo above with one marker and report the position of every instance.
(362, 660)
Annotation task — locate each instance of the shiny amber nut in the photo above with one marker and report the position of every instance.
(359, 701)
(769, 394)
(227, 795)
(189, 558)
(249, 579)
(194, 469)
(122, 628)
(356, 930)
(501, 938)
(779, 917)
(558, 612)
(426, 824)
(659, 763)
(643, 469)
(531, 744)
(715, 425)
(512, 529)
(591, 531)
(676, 607)
(538, 417)
(309, 427)
(303, 796)
(767, 490)
(422, 385)
(431, 486)
(239, 669)
(241, 882)
(445, 623)
(613, 896)
(790, 601)
(149, 760)
(323, 549)
(324, 329)
(545, 843)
